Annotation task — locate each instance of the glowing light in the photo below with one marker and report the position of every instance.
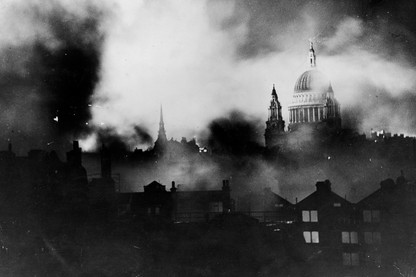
(89, 143)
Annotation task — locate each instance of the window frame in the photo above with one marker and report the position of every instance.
(371, 237)
(349, 237)
(371, 216)
(310, 216)
(350, 258)
(313, 237)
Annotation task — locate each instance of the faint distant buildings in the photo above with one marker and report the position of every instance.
(170, 150)
(175, 205)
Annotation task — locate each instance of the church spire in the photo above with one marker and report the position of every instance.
(274, 94)
(162, 133)
(312, 56)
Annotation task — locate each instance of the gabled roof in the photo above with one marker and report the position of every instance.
(155, 187)
(323, 197)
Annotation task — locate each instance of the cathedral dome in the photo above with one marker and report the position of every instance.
(312, 80)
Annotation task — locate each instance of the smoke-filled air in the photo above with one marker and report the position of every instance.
(99, 71)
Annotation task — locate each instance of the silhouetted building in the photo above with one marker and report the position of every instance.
(174, 205)
(266, 206)
(388, 228)
(202, 205)
(102, 190)
(327, 225)
(172, 150)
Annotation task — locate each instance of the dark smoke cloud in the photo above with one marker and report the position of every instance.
(236, 133)
(142, 136)
(120, 144)
(47, 80)
(69, 74)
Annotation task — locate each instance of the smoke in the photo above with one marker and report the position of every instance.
(117, 62)
(50, 52)
(204, 59)
(235, 134)
(104, 68)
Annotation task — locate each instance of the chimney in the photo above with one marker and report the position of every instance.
(10, 147)
(75, 145)
(324, 186)
(173, 188)
(105, 162)
(225, 185)
(74, 156)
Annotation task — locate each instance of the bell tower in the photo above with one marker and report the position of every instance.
(275, 125)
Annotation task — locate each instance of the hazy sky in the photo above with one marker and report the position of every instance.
(116, 62)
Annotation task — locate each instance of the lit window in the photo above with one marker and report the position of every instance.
(372, 237)
(350, 259)
(149, 210)
(310, 216)
(371, 215)
(306, 216)
(157, 210)
(349, 237)
(311, 236)
(337, 204)
(307, 236)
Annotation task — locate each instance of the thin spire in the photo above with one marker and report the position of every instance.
(162, 132)
(274, 90)
(161, 114)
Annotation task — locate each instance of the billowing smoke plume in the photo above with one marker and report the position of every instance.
(98, 69)
(203, 59)
(50, 54)
(236, 134)
(200, 59)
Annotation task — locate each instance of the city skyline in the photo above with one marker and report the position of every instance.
(201, 60)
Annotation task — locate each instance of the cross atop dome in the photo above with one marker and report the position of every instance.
(312, 57)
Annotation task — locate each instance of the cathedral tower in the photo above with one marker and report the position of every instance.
(275, 125)
(313, 102)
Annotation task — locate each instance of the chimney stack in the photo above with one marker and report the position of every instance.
(225, 185)
(105, 162)
(324, 186)
(173, 188)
